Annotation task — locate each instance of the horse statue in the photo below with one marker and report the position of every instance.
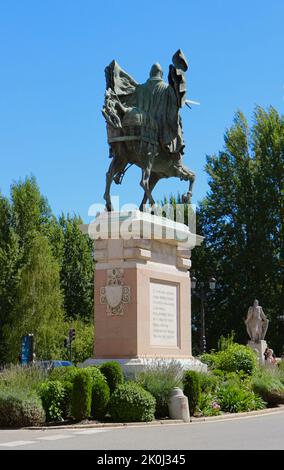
(144, 127)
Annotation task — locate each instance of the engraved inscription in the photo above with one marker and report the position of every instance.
(164, 314)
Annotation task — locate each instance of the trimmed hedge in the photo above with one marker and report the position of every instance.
(113, 373)
(100, 393)
(82, 395)
(66, 376)
(130, 402)
(52, 397)
(67, 401)
(17, 410)
(192, 390)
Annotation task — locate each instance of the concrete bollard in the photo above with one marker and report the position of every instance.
(178, 405)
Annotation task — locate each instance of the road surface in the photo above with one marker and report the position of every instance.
(258, 432)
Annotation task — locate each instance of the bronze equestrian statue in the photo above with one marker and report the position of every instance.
(144, 126)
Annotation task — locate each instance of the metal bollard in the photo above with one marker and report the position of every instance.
(178, 405)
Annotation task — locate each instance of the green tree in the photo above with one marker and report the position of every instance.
(9, 270)
(31, 213)
(77, 270)
(38, 307)
(242, 221)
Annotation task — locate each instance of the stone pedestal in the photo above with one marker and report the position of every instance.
(142, 289)
(259, 348)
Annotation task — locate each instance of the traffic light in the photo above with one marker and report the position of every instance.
(72, 334)
(66, 343)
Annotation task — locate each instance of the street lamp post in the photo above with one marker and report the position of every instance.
(202, 295)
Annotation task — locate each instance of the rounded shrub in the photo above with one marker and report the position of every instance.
(130, 402)
(100, 392)
(192, 389)
(65, 375)
(236, 358)
(17, 410)
(67, 401)
(52, 395)
(81, 395)
(113, 373)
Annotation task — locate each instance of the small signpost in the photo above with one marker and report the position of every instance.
(27, 349)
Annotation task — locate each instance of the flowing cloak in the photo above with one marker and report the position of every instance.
(160, 101)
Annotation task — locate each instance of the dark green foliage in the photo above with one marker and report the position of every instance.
(100, 398)
(113, 373)
(192, 389)
(9, 274)
(242, 220)
(77, 270)
(82, 395)
(18, 410)
(130, 402)
(25, 219)
(160, 378)
(100, 392)
(52, 395)
(234, 399)
(67, 401)
(66, 376)
(208, 382)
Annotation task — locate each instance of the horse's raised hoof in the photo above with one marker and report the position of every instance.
(186, 198)
(109, 207)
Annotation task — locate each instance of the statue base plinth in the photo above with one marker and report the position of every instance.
(259, 348)
(142, 289)
(133, 366)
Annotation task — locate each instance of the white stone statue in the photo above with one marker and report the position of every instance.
(256, 322)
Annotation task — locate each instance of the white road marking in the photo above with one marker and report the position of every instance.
(90, 431)
(55, 437)
(17, 443)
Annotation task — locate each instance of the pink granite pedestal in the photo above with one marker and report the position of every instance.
(142, 291)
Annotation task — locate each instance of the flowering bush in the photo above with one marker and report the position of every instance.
(209, 405)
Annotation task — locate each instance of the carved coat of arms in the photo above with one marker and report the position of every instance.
(115, 294)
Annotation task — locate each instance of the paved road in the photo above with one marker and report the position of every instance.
(261, 432)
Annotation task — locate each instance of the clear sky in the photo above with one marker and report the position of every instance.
(52, 59)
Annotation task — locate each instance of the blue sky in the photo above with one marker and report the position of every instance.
(52, 59)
